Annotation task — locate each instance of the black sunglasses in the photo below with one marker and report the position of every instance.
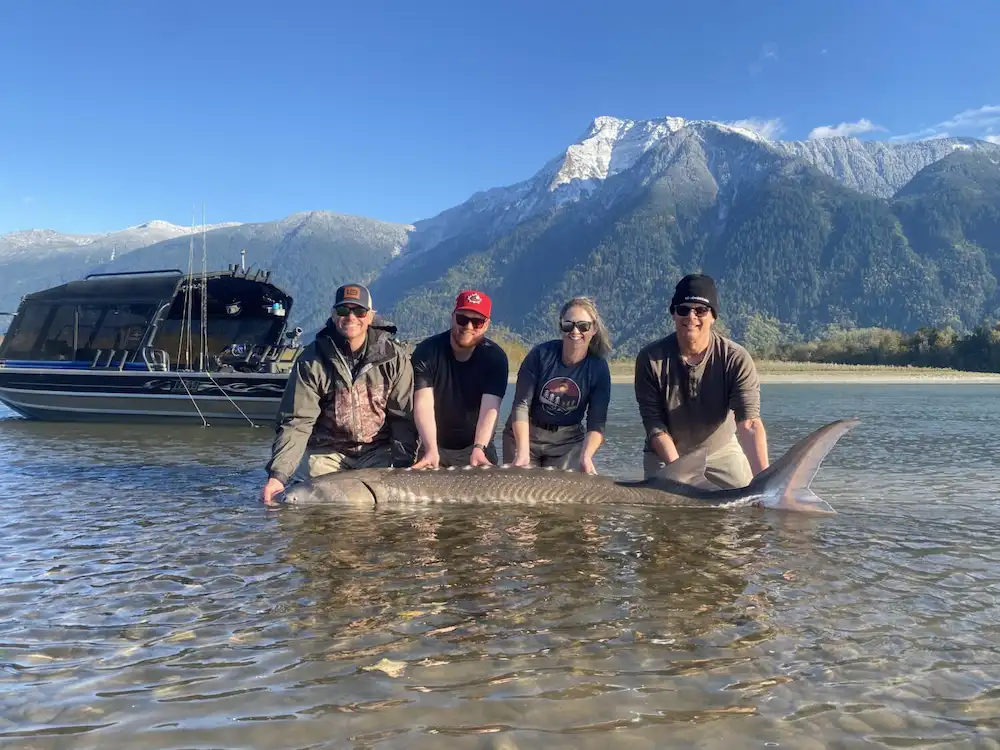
(344, 310)
(464, 320)
(581, 325)
(685, 310)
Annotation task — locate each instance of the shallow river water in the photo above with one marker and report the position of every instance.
(147, 600)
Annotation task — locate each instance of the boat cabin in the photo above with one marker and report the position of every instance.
(154, 320)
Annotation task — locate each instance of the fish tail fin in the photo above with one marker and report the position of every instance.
(785, 483)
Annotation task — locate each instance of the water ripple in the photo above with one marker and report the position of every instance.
(148, 601)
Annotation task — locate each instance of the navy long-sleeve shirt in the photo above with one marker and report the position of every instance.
(550, 393)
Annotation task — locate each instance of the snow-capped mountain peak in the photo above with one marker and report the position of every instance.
(156, 224)
(729, 152)
(876, 167)
(38, 243)
(611, 145)
(143, 234)
(165, 228)
(40, 238)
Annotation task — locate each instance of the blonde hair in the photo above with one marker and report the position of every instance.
(600, 344)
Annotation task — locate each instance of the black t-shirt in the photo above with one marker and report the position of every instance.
(458, 386)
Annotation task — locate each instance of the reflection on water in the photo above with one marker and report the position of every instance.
(148, 601)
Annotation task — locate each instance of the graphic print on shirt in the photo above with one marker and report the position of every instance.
(560, 395)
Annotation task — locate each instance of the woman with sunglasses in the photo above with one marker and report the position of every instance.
(559, 383)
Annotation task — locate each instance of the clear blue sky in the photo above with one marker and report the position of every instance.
(115, 113)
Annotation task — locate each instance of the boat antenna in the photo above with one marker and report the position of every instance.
(186, 316)
(203, 353)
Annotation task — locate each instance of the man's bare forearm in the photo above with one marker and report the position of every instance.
(663, 446)
(753, 440)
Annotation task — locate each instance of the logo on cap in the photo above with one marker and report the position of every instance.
(472, 299)
(352, 292)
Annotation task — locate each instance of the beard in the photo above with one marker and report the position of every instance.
(466, 340)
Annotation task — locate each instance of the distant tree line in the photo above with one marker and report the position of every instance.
(977, 350)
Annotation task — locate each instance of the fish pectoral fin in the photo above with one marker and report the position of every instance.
(689, 469)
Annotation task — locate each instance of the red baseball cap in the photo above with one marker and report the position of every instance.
(474, 301)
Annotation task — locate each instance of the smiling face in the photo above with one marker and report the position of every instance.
(694, 323)
(351, 326)
(468, 328)
(575, 319)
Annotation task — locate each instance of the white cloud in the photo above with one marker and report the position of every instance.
(921, 135)
(769, 129)
(982, 117)
(970, 122)
(993, 139)
(844, 129)
(768, 53)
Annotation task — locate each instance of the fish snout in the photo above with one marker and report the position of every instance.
(332, 489)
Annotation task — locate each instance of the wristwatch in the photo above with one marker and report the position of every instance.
(481, 446)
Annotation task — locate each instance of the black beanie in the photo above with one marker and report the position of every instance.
(696, 287)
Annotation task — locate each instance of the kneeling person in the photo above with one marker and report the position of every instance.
(347, 403)
(459, 380)
(558, 383)
(698, 389)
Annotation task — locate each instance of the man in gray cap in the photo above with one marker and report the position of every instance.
(348, 401)
(696, 388)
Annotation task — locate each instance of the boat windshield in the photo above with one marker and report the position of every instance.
(114, 317)
(46, 331)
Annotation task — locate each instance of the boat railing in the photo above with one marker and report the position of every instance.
(156, 360)
(106, 359)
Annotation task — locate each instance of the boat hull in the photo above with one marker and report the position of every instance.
(142, 396)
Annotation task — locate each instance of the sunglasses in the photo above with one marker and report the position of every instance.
(684, 310)
(581, 325)
(344, 310)
(464, 320)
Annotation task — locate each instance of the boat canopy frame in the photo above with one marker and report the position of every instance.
(144, 317)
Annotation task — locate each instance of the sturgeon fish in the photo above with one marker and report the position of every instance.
(783, 485)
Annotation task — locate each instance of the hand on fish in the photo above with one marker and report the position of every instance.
(478, 458)
(271, 488)
(431, 460)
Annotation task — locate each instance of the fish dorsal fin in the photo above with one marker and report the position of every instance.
(688, 469)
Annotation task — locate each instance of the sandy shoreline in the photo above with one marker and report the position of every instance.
(874, 378)
(819, 374)
(827, 378)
